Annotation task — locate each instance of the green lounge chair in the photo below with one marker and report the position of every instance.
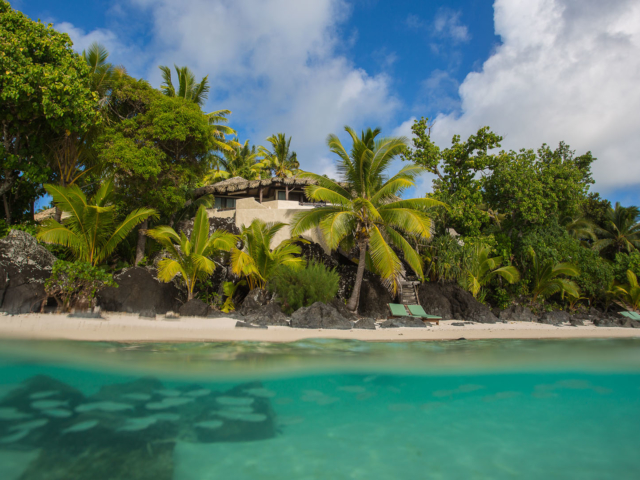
(418, 311)
(397, 310)
(631, 315)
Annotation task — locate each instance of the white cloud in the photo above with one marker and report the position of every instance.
(566, 70)
(447, 24)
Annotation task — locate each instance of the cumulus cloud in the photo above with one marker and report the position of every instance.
(566, 70)
(447, 24)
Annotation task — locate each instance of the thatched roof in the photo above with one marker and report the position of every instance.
(238, 184)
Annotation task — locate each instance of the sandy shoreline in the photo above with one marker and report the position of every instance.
(120, 327)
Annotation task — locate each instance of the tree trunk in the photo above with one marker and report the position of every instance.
(7, 209)
(260, 194)
(286, 192)
(57, 215)
(33, 210)
(142, 241)
(353, 302)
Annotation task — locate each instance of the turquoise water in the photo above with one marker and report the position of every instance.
(320, 409)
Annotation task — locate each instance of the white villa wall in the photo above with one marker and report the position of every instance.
(248, 209)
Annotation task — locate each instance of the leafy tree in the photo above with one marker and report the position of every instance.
(624, 262)
(256, 261)
(365, 209)
(44, 92)
(188, 88)
(620, 231)
(547, 280)
(580, 228)
(74, 284)
(281, 160)
(629, 294)
(483, 269)
(191, 257)
(91, 231)
(156, 146)
(301, 287)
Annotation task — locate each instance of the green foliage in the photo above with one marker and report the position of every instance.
(188, 88)
(547, 278)
(191, 257)
(629, 294)
(74, 284)
(256, 261)
(243, 161)
(624, 262)
(91, 231)
(482, 268)
(44, 91)
(619, 232)
(446, 259)
(229, 289)
(365, 209)
(281, 160)
(300, 287)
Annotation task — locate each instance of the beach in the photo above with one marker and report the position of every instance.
(122, 327)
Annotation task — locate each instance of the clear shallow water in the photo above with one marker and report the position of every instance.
(321, 409)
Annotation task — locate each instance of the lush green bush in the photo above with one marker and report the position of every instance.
(624, 262)
(74, 284)
(301, 287)
(552, 242)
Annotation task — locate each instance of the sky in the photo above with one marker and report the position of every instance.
(535, 71)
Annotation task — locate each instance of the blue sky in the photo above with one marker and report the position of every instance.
(534, 70)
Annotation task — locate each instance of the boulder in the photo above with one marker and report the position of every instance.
(139, 291)
(320, 315)
(270, 314)
(517, 313)
(255, 300)
(556, 317)
(398, 322)
(342, 309)
(194, 308)
(365, 323)
(241, 324)
(449, 301)
(24, 267)
(374, 299)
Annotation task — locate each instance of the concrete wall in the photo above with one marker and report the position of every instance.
(248, 209)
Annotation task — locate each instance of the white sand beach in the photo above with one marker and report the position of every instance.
(121, 327)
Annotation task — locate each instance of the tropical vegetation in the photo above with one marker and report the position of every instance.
(301, 287)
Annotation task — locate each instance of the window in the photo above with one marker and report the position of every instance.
(282, 195)
(223, 202)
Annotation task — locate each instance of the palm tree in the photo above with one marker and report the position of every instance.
(90, 231)
(188, 88)
(629, 294)
(190, 257)
(483, 268)
(620, 230)
(102, 73)
(242, 161)
(547, 281)
(256, 261)
(282, 161)
(365, 210)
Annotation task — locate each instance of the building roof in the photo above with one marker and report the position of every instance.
(238, 184)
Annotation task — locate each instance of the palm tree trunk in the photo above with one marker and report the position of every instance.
(353, 302)
(142, 241)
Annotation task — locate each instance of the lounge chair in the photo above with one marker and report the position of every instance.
(631, 315)
(398, 310)
(418, 311)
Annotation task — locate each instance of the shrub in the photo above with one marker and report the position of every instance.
(74, 284)
(624, 262)
(301, 287)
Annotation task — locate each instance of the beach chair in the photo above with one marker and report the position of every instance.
(418, 311)
(397, 310)
(631, 315)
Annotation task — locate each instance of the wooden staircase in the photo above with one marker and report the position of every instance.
(408, 294)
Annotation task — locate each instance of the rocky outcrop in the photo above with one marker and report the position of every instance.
(517, 313)
(24, 267)
(254, 302)
(365, 324)
(139, 291)
(266, 315)
(449, 301)
(557, 317)
(374, 299)
(399, 322)
(194, 308)
(320, 315)
(215, 223)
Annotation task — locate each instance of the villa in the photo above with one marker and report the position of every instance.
(270, 200)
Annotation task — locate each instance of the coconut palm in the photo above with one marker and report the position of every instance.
(365, 211)
(282, 161)
(102, 74)
(256, 261)
(188, 88)
(629, 294)
(190, 257)
(620, 231)
(483, 268)
(580, 228)
(241, 161)
(547, 281)
(90, 231)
